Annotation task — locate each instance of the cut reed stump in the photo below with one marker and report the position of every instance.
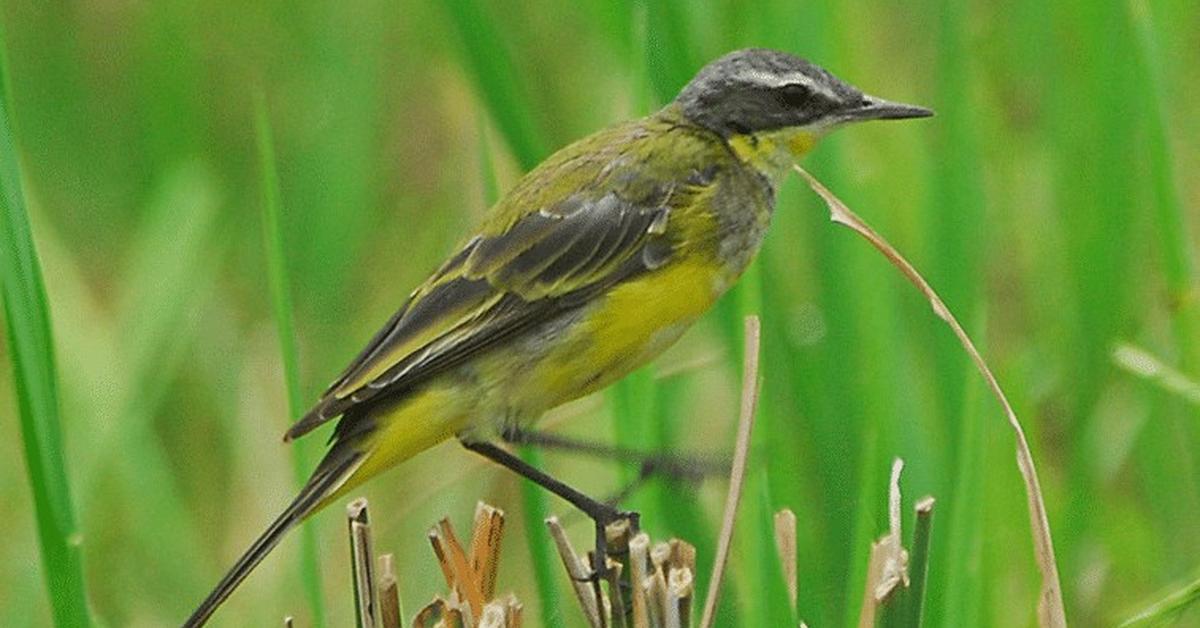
(648, 585)
(470, 576)
(894, 594)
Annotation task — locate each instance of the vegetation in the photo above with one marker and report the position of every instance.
(1048, 203)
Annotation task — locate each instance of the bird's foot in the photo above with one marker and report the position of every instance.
(603, 520)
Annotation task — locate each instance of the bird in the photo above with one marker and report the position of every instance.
(594, 262)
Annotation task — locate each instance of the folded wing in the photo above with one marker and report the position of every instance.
(493, 289)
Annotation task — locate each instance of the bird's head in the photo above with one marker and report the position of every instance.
(772, 107)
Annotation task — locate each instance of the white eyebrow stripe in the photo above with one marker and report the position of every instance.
(758, 77)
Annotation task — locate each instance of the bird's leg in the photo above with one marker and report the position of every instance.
(643, 476)
(683, 468)
(600, 513)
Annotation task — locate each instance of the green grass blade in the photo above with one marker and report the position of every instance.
(31, 349)
(770, 605)
(636, 427)
(333, 199)
(957, 575)
(545, 571)
(678, 508)
(866, 518)
(914, 604)
(1179, 256)
(957, 211)
(1096, 191)
(163, 286)
(1167, 609)
(499, 84)
(281, 306)
(1179, 264)
(1173, 228)
(668, 47)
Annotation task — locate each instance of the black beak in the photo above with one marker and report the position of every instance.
(872, 108)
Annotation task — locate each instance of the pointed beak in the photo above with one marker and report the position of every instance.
(872, 108)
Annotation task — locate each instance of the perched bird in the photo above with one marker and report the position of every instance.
(589, 267)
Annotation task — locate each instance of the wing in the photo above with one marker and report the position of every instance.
(497, 286)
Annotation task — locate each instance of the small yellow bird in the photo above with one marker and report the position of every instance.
(596, 261)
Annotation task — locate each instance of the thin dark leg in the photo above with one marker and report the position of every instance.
(693, 468)
(598, 511)
(619, 497)
(602, 514)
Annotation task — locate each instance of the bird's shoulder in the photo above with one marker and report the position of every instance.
(639, 161)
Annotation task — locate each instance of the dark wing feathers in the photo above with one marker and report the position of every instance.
(494, 288)
(392, 328)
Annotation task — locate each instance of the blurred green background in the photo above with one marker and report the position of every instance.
(1049, 202)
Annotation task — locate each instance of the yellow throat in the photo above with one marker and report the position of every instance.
(773, 152)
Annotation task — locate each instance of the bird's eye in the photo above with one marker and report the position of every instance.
(795, 94)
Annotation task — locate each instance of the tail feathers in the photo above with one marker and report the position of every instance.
(325, 481)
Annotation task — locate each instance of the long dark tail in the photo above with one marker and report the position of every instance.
(330, 475)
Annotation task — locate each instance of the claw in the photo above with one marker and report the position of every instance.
(635, 520)
(601, 554)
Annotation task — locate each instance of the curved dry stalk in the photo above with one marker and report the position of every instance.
(1050, 604)
(737, 474)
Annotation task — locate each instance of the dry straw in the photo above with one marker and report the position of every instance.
(470, 576)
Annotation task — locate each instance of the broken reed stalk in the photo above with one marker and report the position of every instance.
(919, 561)
(1050, 604)
(470, 576)
(680, 589)
(887, 571)
(737, 475)
(616, 600)
(390, 614)
(464, 583)
(639, 558)
(649, 585)
(577, 571)
(485, 546)
(617, 538)
(785, 545)
(504, 613)
(362, 565)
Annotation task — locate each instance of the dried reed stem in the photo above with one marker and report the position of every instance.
(485, 547)
(785, 545)
(362, 564)
(639, 559)
(390, 615)
(737, 474)
(579, 574)
(887, 571)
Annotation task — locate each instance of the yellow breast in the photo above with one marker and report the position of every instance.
(630, 326)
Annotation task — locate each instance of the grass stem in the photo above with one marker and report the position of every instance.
(31, 351)
(285, 325)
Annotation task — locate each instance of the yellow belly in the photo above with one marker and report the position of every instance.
(435, 413)
(625, 329)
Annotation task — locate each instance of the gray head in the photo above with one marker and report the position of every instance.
(754, 90)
